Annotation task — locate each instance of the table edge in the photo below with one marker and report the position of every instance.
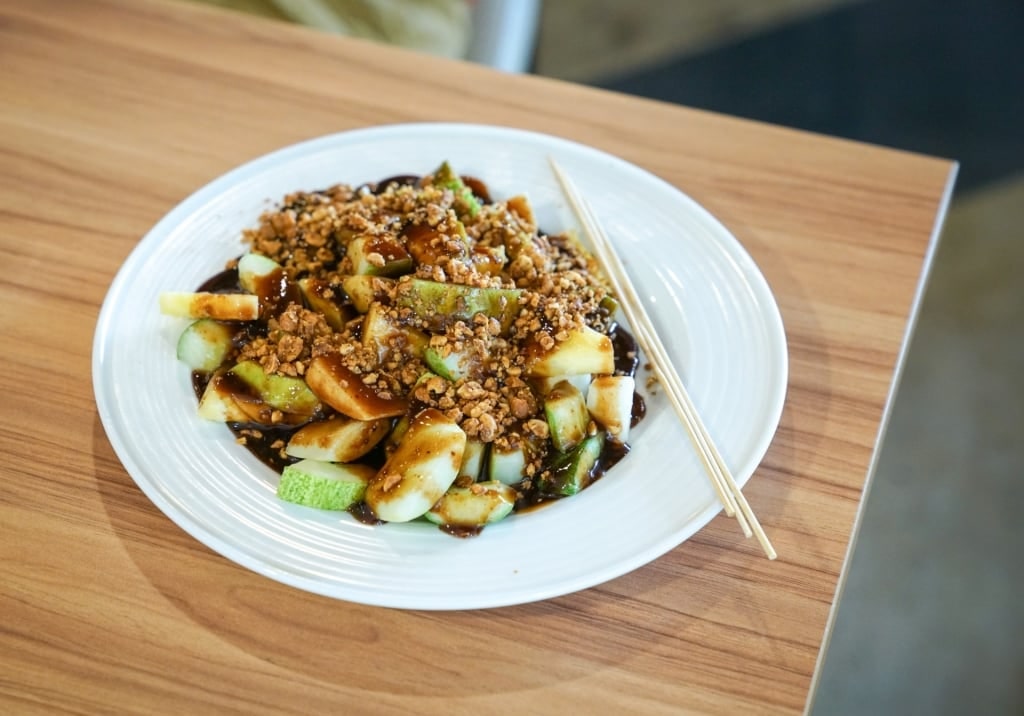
(915, 310)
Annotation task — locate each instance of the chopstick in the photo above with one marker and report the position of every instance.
(729, 493)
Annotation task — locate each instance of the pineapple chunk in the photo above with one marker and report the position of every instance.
(200, 304)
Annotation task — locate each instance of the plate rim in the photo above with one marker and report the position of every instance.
(216, 187)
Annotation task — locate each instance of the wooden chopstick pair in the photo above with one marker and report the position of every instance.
(728, 491)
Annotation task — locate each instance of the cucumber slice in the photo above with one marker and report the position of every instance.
(571, 472)
(205, 344)
(610, 402)
(290, 395)
(466, 204)
(363, 290)
(474, 506)
(566, 412)
(324, 485)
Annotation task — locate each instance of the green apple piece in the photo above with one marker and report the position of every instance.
(204, 345)
(475, 506)
(610, 403)
(337, 439)
(282, 392)
(566, 411)
(420, 470)
(583, 351)
(324, 485)
(335, 384)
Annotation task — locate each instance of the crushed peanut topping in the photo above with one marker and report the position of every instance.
(314, 235)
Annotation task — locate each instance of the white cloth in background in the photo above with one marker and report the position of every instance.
(439, 27)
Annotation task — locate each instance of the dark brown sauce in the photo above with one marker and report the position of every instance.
(397, 180)
(224, 282)
(612, 452)
(362, 512)
(627, 356)
(461, 531)
(276, 291)
(639, 410)
(260, 446)
(479, 189)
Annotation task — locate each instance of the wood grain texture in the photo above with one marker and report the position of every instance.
(111, 112)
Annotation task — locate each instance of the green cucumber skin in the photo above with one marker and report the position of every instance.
(438, 303)
(567, 416)
(321, 485)
(573, 471)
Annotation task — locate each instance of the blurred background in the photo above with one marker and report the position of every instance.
(931, 620)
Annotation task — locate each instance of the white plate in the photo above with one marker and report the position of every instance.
(707, 298)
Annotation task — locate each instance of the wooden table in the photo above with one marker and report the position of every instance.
(112, 112)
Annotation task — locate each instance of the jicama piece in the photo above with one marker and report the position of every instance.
(610, 402)
(420, 470)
